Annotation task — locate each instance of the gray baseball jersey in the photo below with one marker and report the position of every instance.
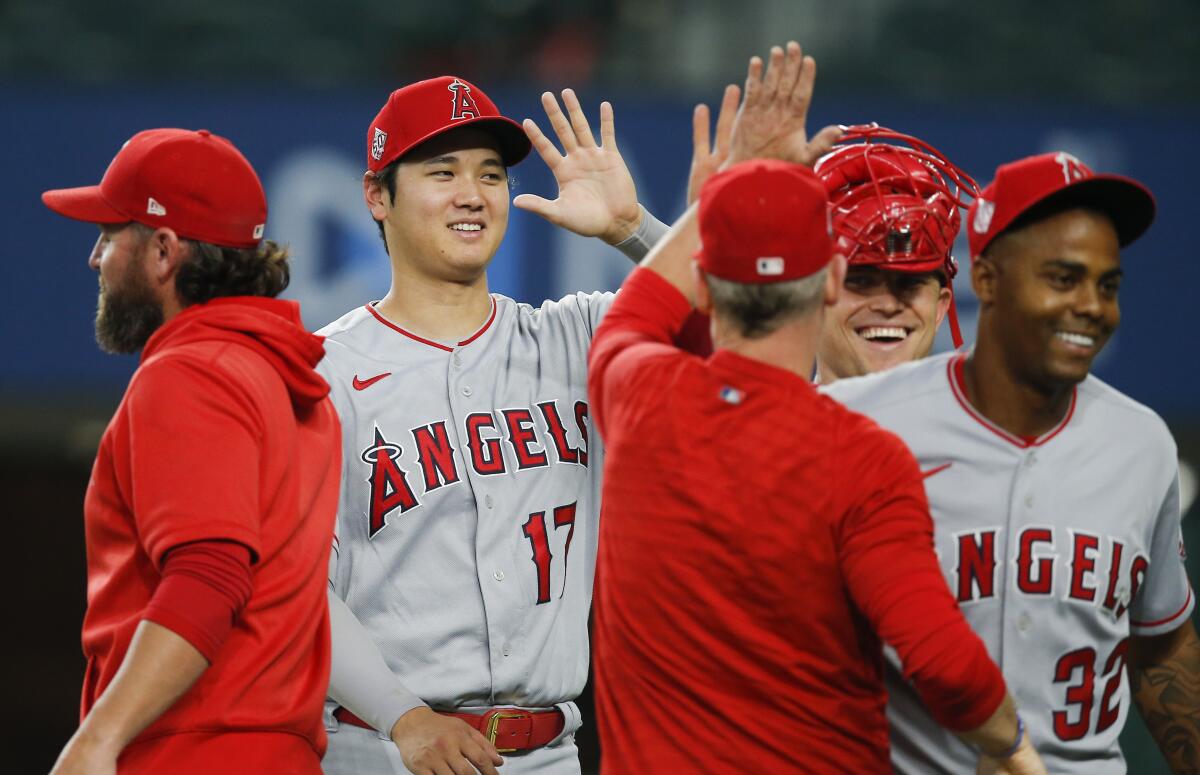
(1058, 549)
(466, 533)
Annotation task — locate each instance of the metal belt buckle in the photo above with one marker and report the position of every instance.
(493, 725)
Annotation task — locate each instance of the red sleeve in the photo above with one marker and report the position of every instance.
(886, 546)
(204, 587)
(643, 321)
(194, 446)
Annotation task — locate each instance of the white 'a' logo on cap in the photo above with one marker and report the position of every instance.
(983, 216)
(154, 208)
(377, 144)
(770, 266)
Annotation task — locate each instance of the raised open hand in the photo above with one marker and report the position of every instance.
(596, 194)
(708, 157)
(771, 121)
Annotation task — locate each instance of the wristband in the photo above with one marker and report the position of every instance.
(1012, 749)
(646, 236)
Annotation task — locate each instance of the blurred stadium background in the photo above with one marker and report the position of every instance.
(295, 82)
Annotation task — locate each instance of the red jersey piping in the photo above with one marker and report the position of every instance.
(1186, 603)
(958, 386)
(439, 345)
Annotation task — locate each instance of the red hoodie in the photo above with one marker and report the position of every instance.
(225, 433)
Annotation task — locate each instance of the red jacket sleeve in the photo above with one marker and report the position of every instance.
(645, 318)
(886, 545)
(194, 455)
(204, 587)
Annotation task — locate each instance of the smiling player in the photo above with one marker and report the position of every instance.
(1055, 498)
(895, 214)
(470, 491)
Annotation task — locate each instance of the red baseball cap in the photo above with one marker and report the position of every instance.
(196, 183)
(764, 221)
(1057, 175)
(425, 109)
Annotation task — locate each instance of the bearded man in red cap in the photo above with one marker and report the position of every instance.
(212, 498)
(760, 541)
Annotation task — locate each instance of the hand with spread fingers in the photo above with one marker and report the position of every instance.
(707, 158)
(596, 194)
(432, 744)
(771, 121)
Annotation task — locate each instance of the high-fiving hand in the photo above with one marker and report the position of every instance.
(771, 121)
(596, 194)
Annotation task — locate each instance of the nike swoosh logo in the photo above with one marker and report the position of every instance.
(935, 470)
(363, 384)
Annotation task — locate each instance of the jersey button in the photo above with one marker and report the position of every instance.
(466, 391)
(1028, 501)
(498, 575)
(1023, 622)
(506, 650)
(487, 501)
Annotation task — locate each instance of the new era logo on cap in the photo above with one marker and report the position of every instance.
(154, 208)
(258, 230)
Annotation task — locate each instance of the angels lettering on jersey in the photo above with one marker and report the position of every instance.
(1099, 570)
(395, 478)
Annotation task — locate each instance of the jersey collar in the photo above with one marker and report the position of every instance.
(958, 386)
(448, 348)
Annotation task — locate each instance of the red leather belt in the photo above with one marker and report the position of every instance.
(509, 729)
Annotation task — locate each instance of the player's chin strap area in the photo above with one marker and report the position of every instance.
(955, 331)
(509, 729)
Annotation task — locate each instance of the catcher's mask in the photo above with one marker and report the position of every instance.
(896, 206)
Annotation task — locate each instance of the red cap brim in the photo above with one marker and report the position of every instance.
(514, 144)
(83, 204)
(1128, 203)
(913, 266)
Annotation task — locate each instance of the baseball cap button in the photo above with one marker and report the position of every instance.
(204, 133)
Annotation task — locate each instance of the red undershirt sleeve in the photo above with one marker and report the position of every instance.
(895, 580)
(204, 586)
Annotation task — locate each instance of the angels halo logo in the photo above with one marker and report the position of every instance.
(463, 103)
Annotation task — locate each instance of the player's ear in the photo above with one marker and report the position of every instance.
(835, 276)
(984, 273)
(943, 304)
(375, 195)
(703, 297)
(164, 252)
